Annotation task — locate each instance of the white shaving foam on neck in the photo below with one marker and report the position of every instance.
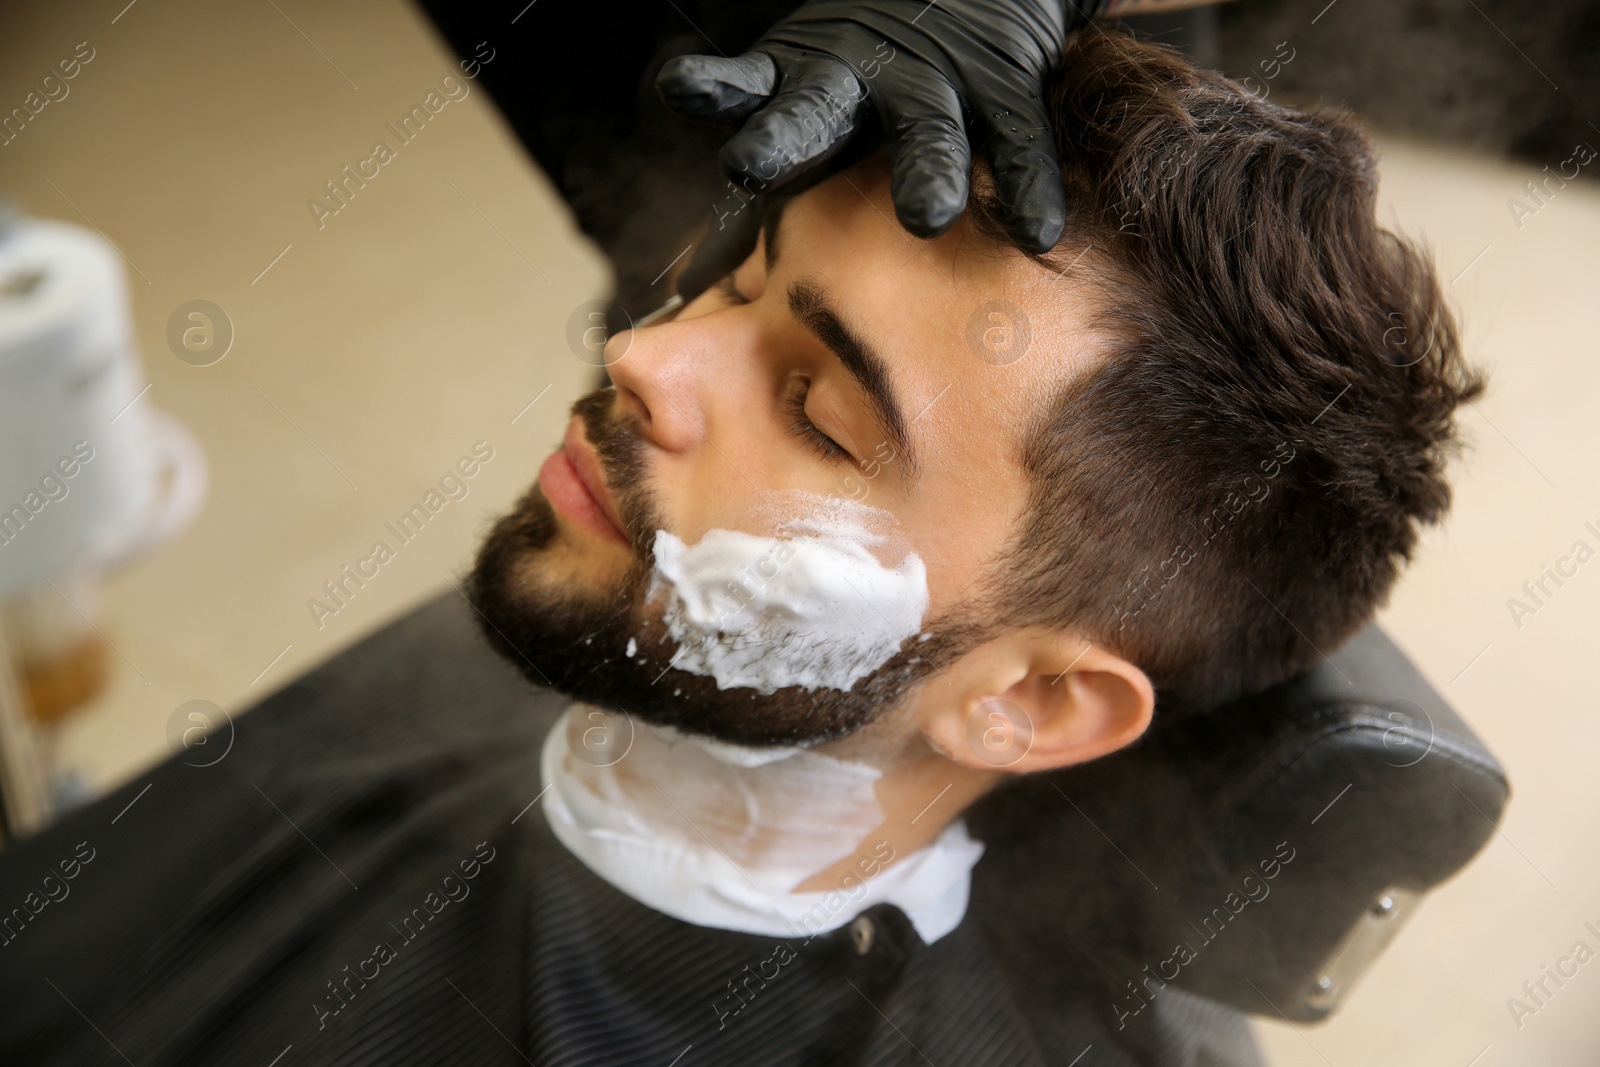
(696, 829)
(814, 608)
(780, 815)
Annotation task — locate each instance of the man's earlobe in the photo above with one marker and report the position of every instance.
(1046, 711)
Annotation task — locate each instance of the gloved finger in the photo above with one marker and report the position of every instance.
(711, 88)
(928, 151)
(1027, 170)
(809, 118)
(729, 242)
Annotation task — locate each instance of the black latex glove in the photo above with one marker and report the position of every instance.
(927, 70)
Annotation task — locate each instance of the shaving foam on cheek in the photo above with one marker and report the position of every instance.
(814, 608)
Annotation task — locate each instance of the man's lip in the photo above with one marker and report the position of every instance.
(587, 465)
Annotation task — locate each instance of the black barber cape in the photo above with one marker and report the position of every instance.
(364, 878)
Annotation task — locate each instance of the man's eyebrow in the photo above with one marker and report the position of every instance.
(810, 306)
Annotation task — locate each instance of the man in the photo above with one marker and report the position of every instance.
(1187, 450)
(870, 530)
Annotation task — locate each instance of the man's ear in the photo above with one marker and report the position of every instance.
(1033, 702)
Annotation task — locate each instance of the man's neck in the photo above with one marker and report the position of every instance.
(806, 821)
(918, 796)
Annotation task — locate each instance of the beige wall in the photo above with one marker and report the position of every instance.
(411, 326)
(370, 357)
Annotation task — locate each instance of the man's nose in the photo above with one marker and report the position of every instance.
(660, 373)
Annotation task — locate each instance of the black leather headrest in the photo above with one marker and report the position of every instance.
(1259, 854)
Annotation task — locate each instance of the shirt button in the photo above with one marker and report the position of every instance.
(861, 935)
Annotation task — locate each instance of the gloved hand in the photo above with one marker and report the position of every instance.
(808, 82)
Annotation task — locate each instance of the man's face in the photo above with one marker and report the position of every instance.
(860, 364)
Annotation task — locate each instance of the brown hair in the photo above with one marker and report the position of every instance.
(1231, 493)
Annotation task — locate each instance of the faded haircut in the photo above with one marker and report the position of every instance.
(1232, 492)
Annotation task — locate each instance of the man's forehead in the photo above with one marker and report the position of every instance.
(963, 312)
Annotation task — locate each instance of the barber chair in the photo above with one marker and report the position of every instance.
(1354, 786)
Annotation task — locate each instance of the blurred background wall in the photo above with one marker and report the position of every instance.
(431, 313)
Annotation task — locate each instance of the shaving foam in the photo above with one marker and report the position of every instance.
(778, 814)
(722, 835)
(813, 607)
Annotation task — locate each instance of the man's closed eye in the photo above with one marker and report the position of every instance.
(800, 424)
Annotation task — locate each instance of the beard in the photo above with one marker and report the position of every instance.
(578, 640)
